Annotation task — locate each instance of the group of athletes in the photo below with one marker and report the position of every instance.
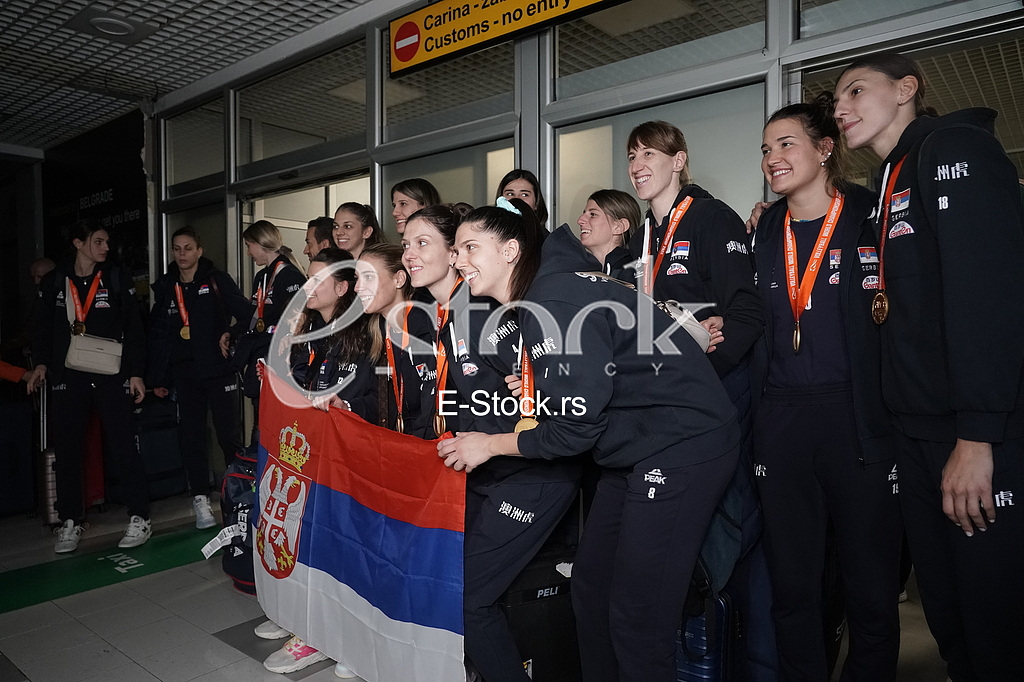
(864, 357)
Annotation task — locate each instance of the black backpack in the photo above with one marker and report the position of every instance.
(237, 495)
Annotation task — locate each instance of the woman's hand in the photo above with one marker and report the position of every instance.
(137, 389)
(755, 214)
(714, 326)
(967, 486)
(326, 402)
(35, 378)
(160, 392)
(225, 343)
(466, 451)
(515, 385)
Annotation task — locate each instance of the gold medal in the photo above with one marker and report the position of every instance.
(399, 424)
(260, 325)
(185, 333)
(439, 425)
(526, 424)
(78, 328)
(796, 337)
(880, 307)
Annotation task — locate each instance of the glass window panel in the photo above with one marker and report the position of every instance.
(356, 189)
(825, 16)
(723, 134)
(459, 90)
(323, 99)
(195, 144)
(987, 72)
(460, 175)
(615, 46)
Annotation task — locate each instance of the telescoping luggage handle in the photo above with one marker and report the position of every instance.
(43, 400)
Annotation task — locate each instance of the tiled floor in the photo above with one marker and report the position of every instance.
(158, 627)
(161, 627)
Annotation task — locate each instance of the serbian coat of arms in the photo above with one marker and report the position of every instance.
(283, 493)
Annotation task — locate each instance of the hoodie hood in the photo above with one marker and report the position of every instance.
(563, 252)
(920, 127)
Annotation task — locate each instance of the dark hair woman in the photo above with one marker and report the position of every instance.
(346, 359)
(409, 196)
(523, 185)
(93, 300)
(654, 415)
(188, 341)
(948, 302)
(822, 436)
(356, 227)
(497, 545)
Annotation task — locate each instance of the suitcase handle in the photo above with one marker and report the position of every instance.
(43, 403)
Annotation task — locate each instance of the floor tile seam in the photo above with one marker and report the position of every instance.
(107, 608)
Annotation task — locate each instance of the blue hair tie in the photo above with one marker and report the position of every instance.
(504, 203)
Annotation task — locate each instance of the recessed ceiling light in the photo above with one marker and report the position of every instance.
(112, 26)
(108, 26)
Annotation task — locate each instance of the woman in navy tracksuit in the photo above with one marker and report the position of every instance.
(951, 257)
(823, 445)
(188, 336)
(343, 363)
(512, 504)
(647, 405)
(272, 288)
(384, 289)
(101, 297)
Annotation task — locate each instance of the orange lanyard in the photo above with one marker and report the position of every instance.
(527, 368)
(265, 287)
(442, 356)
(397, 385)
(887, 208)
(80, 311)
(800, 294)
(181, 304)
(666, 243)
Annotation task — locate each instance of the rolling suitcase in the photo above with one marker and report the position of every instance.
(156, 433)
(709, 641)
(46, 476)
(538, 607)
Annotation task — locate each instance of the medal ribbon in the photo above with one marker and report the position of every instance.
(80, 312)
(181, 304)
(261, 293)
(666, 243)
(442, 356)
(800, 294)
(887, 208)
(397, 385)
(527, 369)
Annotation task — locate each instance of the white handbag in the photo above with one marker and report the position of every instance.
(87, 353)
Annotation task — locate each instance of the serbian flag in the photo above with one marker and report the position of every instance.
(358, 544)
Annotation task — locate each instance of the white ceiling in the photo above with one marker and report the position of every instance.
(56, 83)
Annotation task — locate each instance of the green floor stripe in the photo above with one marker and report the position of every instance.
(55, 579)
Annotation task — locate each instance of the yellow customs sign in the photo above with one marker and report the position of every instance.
(444, 29)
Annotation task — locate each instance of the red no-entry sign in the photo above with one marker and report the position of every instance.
(407, 41)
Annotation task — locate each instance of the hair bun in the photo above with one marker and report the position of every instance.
(825, 100)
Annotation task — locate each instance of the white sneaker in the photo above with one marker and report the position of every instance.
(68, 535)
(270, 630)
(137, 532)
(344, 673)
(203, 512)
(294, 655)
